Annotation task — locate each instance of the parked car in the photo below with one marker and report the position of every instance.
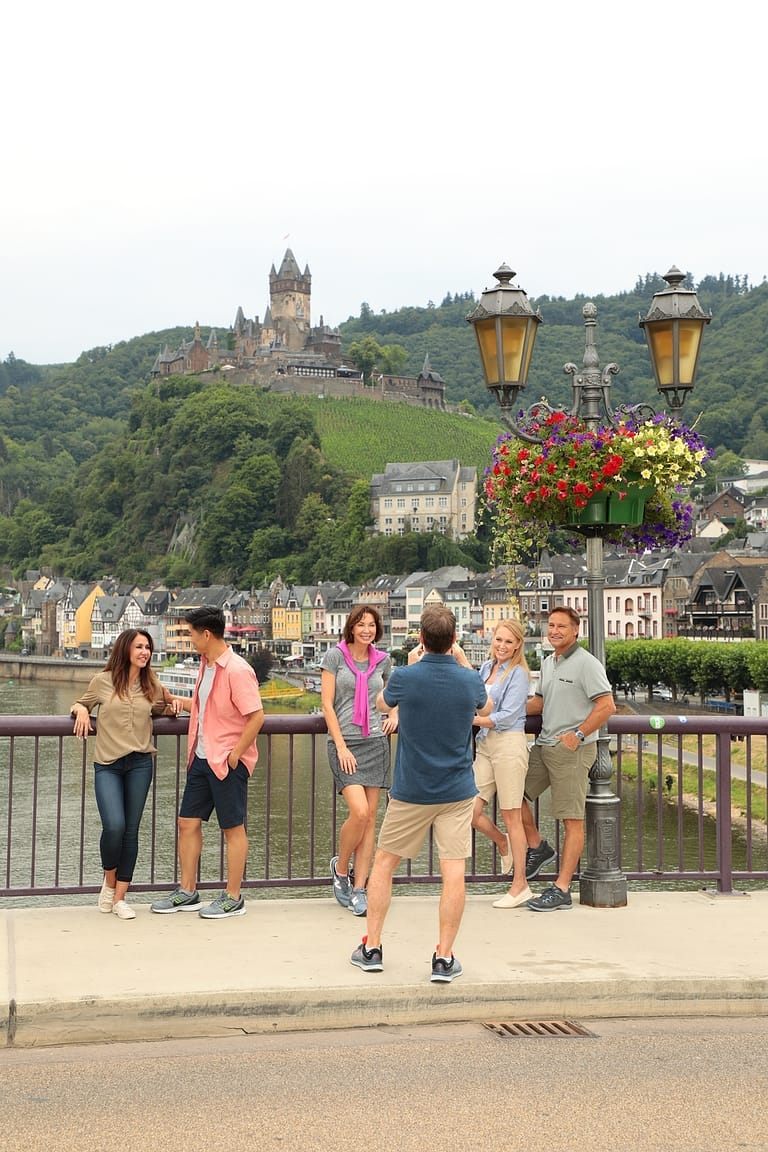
(661, 692)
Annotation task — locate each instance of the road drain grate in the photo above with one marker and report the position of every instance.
(523, 1028)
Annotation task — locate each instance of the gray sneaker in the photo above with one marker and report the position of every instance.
(178, 901)
(358, 901)
(342, 885)
(550, 900)
(369, 959)
(223, 906)
(536, 858)
(443, 971)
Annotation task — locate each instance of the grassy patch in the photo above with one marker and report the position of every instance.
(669, 767)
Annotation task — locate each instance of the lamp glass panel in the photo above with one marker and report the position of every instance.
(661, 339)
(513, 330)
(533, 329)
(485, 331)
(690, 339)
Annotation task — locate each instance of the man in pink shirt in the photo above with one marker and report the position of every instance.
(225, 717)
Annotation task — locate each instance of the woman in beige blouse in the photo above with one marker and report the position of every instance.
(127, 694)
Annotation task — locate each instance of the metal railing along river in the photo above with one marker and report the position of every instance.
(693, 808)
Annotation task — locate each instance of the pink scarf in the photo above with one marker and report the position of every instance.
(375, 657)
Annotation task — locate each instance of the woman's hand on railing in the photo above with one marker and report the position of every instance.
(82, 721)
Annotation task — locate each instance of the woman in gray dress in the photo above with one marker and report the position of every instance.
(353, 674)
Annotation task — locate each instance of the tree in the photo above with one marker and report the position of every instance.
(393, 359)
(262, 662)
(294, 423)
(303, 474)
(365, 355)
(230, 522)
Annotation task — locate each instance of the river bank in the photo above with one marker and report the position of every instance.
(52, 669)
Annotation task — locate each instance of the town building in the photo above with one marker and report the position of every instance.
(727, 506)
(430, 496)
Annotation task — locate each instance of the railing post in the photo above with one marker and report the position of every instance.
(724, 824)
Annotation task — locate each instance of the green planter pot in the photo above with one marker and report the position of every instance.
(631, 509)
(607, 508)
(595, 511)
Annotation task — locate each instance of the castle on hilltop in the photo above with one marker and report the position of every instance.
(284, 352)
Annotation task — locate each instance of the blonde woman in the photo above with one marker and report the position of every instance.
(501, 756)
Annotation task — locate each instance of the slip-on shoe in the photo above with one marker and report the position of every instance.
(507, 901)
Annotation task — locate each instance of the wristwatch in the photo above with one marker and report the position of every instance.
(578, 733)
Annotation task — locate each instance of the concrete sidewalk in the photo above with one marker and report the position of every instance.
(73, 975)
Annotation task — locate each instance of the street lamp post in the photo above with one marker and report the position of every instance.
(505, 326)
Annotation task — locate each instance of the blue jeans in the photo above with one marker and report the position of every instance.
(121, 793)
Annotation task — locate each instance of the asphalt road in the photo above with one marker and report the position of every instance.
(638, 1086)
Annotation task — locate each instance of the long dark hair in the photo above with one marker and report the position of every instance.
(119, 664)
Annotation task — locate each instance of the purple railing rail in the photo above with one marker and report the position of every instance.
(49, 825)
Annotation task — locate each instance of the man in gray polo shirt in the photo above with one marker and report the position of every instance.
(574, 700)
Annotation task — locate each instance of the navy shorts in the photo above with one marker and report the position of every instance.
(204, 791)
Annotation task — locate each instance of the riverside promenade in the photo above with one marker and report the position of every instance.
(72, 975)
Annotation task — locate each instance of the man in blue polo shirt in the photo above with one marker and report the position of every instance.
(433, 785)
(574, 700)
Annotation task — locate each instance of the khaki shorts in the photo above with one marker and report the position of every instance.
(405, 827)
(501, 764)
(566, 773)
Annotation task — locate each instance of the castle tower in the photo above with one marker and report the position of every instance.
(289, 298)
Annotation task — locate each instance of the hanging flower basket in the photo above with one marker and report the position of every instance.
(625, 478)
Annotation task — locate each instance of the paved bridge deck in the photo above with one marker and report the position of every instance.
(74, 975)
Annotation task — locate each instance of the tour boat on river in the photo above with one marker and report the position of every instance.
(180, 679)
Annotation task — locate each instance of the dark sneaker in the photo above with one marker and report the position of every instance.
(369, 959)
(550, 900)
(536, 858)
(443, 971)
(178, 901)
(223, 906)
(342, 885)
(358, 901)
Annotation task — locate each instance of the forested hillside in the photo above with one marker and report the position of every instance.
(730, 391)
(102, 470)
(214, 481)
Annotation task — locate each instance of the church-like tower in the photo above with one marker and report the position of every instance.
(289, 301)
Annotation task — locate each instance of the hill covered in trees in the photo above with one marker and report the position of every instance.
(103, 470)
(206, 480)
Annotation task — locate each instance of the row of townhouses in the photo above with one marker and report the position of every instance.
(696, 593)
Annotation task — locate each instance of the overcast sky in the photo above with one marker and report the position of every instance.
(157, 158)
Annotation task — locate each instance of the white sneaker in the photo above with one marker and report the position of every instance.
(124, 911)
(106, 898)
